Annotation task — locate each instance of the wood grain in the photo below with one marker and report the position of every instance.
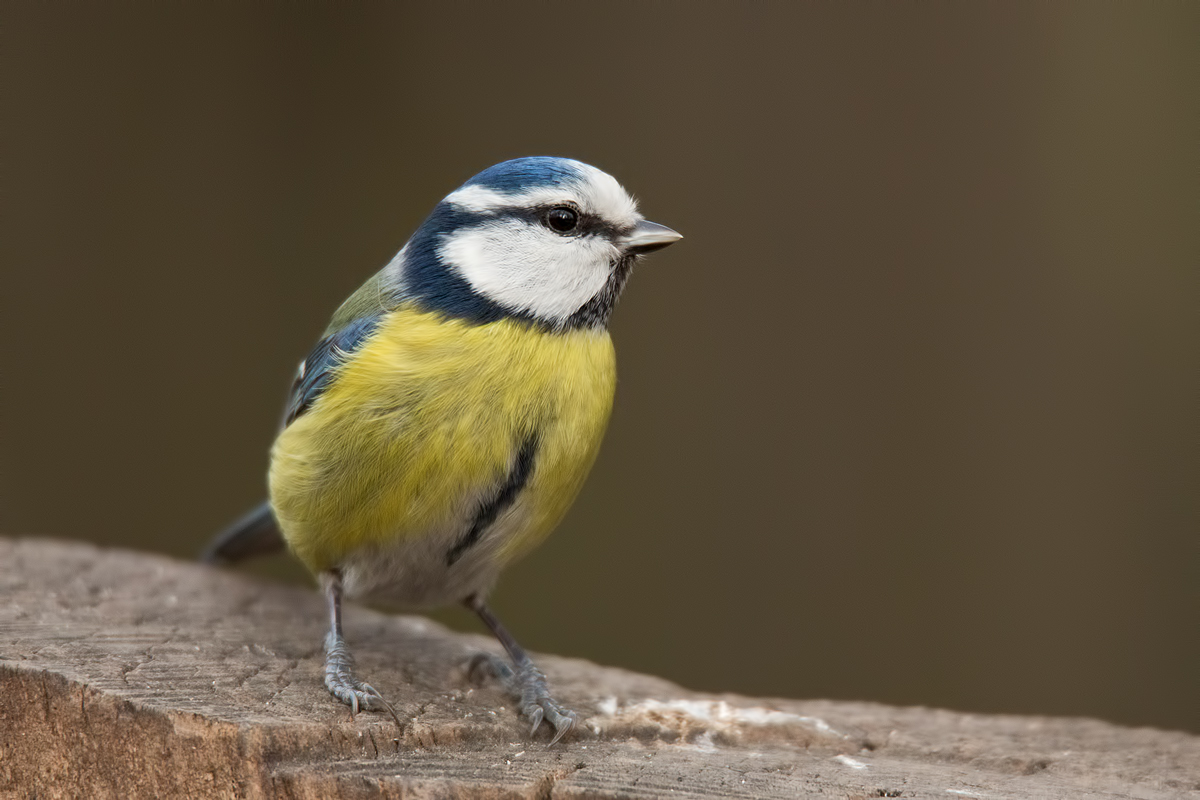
(133, 675)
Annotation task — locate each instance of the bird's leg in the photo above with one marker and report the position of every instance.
(523, 680)
(339, 664)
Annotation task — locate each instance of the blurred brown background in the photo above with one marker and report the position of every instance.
(910, 416)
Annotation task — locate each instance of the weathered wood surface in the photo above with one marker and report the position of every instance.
(132, 675)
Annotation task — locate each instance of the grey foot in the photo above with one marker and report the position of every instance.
(527, 685)
(341, 683)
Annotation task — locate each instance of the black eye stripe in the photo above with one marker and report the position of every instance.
(589, 224)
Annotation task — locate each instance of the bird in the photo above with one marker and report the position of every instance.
(448, 415)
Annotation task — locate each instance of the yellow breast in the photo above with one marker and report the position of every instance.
(429, 414)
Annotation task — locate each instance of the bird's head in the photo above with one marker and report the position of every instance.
(551, 240)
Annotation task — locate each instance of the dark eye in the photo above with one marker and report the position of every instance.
(562, 219)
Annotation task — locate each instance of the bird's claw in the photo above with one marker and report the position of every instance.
(341, 683)
(538, 714)
(358, 695)
(527, 685)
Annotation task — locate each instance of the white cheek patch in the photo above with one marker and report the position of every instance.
(530, 269)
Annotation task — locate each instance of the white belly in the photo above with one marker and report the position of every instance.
(416, 571)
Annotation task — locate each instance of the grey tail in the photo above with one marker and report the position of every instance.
(254, 534)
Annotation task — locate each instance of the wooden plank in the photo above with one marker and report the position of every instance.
(133, 675)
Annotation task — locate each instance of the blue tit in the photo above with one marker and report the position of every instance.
(449, 414)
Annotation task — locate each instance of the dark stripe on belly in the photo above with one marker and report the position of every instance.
(505, 496)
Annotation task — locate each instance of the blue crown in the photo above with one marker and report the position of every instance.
(520, 174)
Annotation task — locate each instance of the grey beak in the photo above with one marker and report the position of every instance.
(649, 236)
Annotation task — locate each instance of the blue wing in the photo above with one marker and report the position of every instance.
(257, 532)
(317, 370)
